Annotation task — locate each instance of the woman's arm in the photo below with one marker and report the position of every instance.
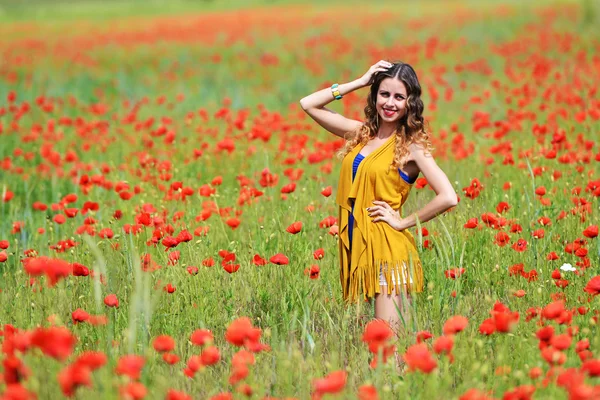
(445, 195)
(314, 104)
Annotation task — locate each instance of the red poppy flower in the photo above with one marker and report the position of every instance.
(524, 392)
(593, 286)
(173, 394)
(193, 365)
(418, 357)
(319, 254)
(377, 332)
(184, 236)
(289, 188)
(313, 271)
(516, 228)
(192, 270)
(367, 392)
(258, 260)
(538, 233)
(279, 259)
(91, 359)
(544, 221)
(474, 189)
(591, 367)
(233, 223)
(454, 273)
(231, 268)
(502, 207)
(79, 315)
(561, 283)
(472, 223)
(420, 183)
(70, 198)
(502, 239)
(504, 320)
(332, 383)
(173, 257)
(530, 275)
(206, 190)
(200, 337)
(328, 222)
(516, 269)
(242, 357)
(423, 335)
(327, 191)
(163, 343)
(556, 274)
(71, 212)
(169, 242)
(455, 324)
(73, 376)
(111, 300)
(133, 390)
(55, 269)
(581, 252)
(210, 355)
(170, 358)
(520, 245)
(591, 231)
(487, 327)
(39, 206)
(553, 356)
(561, 342)
(443, 344)
(56, 342)
(169, 288)
(268, 179)
(489, 219)
(295, 227)
(240, 331)
(554, 309)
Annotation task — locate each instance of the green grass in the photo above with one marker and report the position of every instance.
(310, 330)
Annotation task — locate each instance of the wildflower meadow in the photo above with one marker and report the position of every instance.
(168, 226)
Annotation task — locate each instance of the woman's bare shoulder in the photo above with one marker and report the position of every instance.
(417, 150)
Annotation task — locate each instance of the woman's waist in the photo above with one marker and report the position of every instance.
(395, 203)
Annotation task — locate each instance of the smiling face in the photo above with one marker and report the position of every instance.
(391, 100)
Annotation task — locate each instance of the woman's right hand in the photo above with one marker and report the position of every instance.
(379, 66)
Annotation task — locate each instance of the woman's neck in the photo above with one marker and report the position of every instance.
(385, 131)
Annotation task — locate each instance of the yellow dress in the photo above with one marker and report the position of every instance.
(375, 245)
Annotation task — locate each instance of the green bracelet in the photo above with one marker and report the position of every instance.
(336, 92)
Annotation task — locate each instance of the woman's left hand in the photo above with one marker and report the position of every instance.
(382, 211)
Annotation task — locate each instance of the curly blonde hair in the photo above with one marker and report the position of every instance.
(410, 128)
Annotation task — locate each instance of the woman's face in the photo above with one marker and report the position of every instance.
(391, 100)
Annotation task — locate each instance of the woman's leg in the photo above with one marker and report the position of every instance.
(395, 308)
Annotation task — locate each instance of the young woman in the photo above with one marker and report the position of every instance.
(382, 158)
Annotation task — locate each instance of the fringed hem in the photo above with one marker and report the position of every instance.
(404, 276)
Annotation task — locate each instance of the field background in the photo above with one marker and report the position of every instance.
(143, 95)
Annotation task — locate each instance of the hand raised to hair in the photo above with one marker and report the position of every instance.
(379, 66)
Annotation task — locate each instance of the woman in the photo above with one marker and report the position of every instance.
(382, 158)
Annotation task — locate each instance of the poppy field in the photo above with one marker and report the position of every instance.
(168, 226)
